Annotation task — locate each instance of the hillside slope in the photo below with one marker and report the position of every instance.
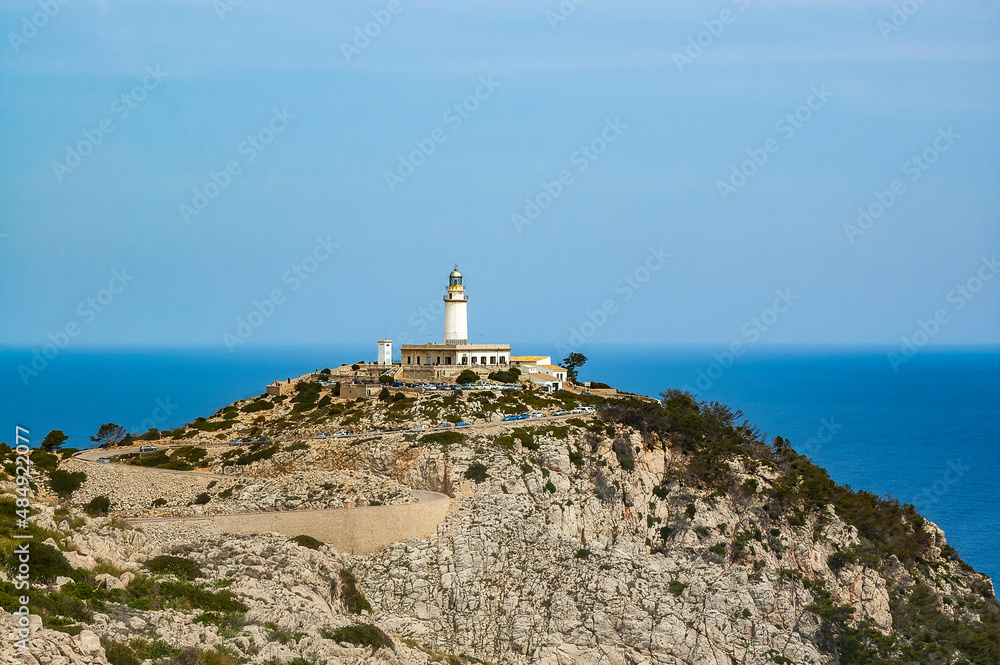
(645, 533)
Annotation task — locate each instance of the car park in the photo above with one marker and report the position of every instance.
(103, 460)
(560, 412)
(147, 449)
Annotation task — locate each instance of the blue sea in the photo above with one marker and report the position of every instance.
(927, 434)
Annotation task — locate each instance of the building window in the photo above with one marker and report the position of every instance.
(428, 360)
(447, 361)
(493, 360)
(474, 359)
(438, 360)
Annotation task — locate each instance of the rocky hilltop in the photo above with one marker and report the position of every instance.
(663, 533)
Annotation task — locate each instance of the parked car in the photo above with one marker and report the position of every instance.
(321, 435)
(236, 442)
(247, 439)
(397, 384)
(342, 433)
(373, 431)
(536, 414)
(578, 409)
(444, 426)
(146, 449)
(462, 423)
(509, 418)
(523, 416)
(586, 392)
(588, 409)
(264, 439)
(418, 427)
(103, 460)
(560, 412)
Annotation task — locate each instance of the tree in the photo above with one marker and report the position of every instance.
(571, 363)
(355, 367)
(385, 379)
(109, 435)
(384, 395)
(53, 440)
(467, 376)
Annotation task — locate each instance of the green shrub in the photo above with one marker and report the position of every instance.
(839, 559)
(719, 549)
(158, 503)
(256, 454)
(467, 376)
(363, 635)
(47, 563)
(301, 445)
(582, 553)
(259, 404)
(352, 598)
(175, 565)
(202, 499)
(66, 482)
(676, 587)
(549, 487)
(443, 438)
(99, 506)
(477, 472)
(307, 541)
(506, 376)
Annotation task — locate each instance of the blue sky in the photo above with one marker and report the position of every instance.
(312, 198)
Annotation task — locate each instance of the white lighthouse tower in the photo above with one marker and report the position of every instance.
(456, 325)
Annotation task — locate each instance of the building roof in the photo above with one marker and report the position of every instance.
(543, 377)
(554, 367)
(528, 359)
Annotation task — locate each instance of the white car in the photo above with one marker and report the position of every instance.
(579, 409)
(342, 433)
(418, 427)
(536, 414)
(147, 449)
(321, 435)
(588, 409)
(103, 460)
(560, 412)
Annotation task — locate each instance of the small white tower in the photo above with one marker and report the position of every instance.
(456, 325)
(385, 352)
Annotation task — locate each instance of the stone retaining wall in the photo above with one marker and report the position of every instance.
(353, 530)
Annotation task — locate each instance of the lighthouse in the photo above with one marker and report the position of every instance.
(456, 325)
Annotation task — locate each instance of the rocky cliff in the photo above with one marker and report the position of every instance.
(666, 533)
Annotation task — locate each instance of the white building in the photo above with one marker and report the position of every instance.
(385, 352)
(456, 323)
(456, 350)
